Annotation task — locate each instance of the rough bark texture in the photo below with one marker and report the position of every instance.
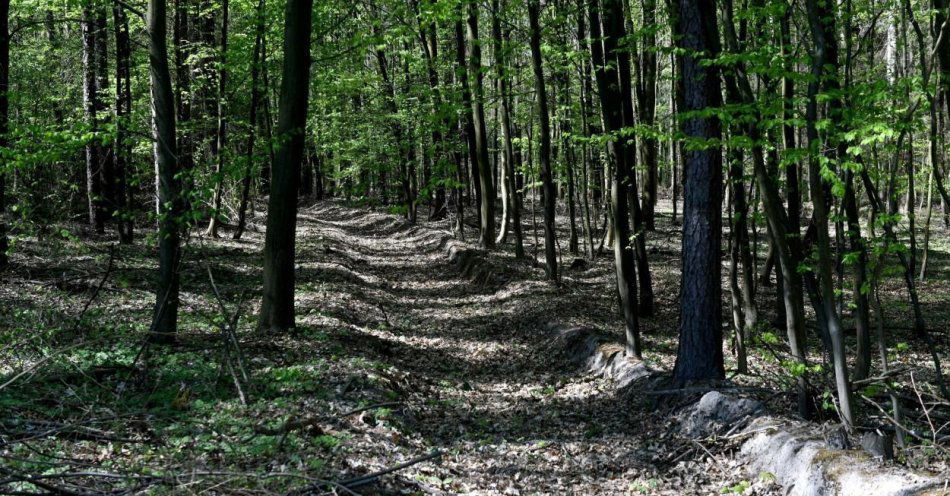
(700, 346)
(277, 305)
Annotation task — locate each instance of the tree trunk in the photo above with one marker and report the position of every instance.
(277, 305)
(4, 120)
(123, 112)
(90, 96)
(646, 105)
(165, 320)
(510, 195)
(487, 208)
(106, 151)
(821, 22)
(699, 357)
(608, 86)
(547, 180)
(222, 123)
(183, 97)
(251, 120)
(468, 121)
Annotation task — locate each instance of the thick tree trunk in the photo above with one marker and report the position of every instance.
(277, 305)
(699, 357)
(165, 320)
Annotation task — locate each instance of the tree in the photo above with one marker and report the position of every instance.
(252, 119)
(277, 305)
(123, 112)
(550, 254)
(700, 347)
(90, 94)
(4, 122)
(165, 319)
(222, 122)
(824, 69)
(487, 208)
(608, 87)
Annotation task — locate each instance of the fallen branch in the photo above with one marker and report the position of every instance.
(370, 478)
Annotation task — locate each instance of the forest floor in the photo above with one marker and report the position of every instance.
(429, 359)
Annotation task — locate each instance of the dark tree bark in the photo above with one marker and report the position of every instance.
(4, 120)
(259, 24)
(700, 355)
(123, 111)
(487, 208)
(614, 29)
(106, 151)
(277, 306)
(468, 121)
(183, 96)
(221, 135)
(165, 320)
(608, 86)
(550, 251)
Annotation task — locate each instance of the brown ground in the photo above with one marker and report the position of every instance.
(461, 363)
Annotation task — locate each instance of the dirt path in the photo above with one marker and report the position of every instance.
(479, 377)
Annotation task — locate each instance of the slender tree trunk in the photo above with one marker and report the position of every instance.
(700, 356)
(510, 196)
(547, 179)
(468, 120)
(91, 107)
(252, 120)
(165, 320)
(608, 86)
(614, 28)
(646, 101)
(222, 123)
(933, 158)
(821, 22)
(4, 120)
(487, 208)
(106, 151)
(123, 112)
(184, 96)
(277, 306)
